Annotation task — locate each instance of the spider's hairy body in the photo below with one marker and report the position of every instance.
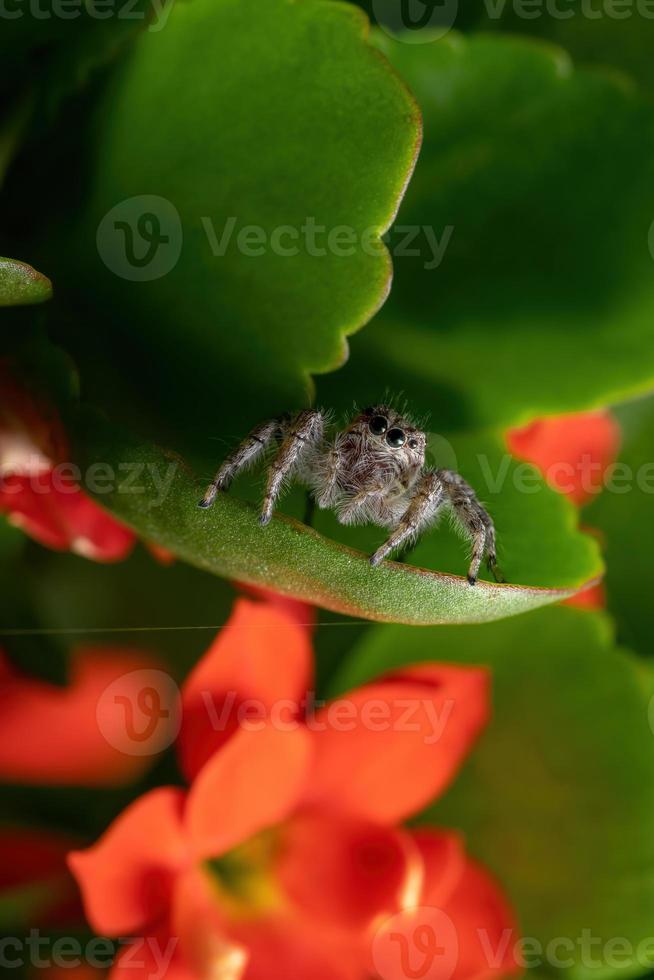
(371, 471)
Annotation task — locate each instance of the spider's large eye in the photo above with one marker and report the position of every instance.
(396, 438)
(378, 424)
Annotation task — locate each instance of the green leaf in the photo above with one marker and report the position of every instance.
(624, 513)
(557, 798)
(593, 31)
(21, 285)
(596, 32)
(286, 119)
(156, 494)
(544, 299)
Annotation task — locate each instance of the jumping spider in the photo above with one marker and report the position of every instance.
(373, 471)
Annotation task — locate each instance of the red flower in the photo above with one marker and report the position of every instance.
(287, 856)
(38, 493)
(75, 735)
(572, 451)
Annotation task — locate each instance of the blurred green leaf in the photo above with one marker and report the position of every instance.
(154, 492)
(593, 31)
(21, 285)
(239, 115)
(543, 301)
(54, 48)
(597, 32)
(624, 514)
(558, 796)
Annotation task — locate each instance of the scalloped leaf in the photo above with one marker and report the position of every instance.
(543, 301)
(239, 115)
(21, 285)
(157, 495)
(557, 797)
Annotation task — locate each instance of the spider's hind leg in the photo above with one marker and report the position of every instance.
(475, 521)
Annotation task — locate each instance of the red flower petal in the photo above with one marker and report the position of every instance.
(127, 877)
(50, 734)
(156, 956)
(252, 783)
(444, 863)
(55, 512)
(390, 747)
(260, 661)
(485, 926)
(302, 612)
(593, 598)
(288, 948)
(571, 451)
(205, 944)
(346, 871)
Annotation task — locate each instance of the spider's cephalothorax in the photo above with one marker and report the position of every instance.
(373, 471)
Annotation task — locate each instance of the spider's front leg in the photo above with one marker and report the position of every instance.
(245, 454)
(426, 500)
(304, 433)
(475, 521)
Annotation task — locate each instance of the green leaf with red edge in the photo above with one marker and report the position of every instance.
(543, 300)
(238, 115)
(557, 797)
(21, 285)
(157, 495)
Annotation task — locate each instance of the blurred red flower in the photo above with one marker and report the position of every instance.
(72, 735)
(38, 493)
(572, 452)
(288, 857)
